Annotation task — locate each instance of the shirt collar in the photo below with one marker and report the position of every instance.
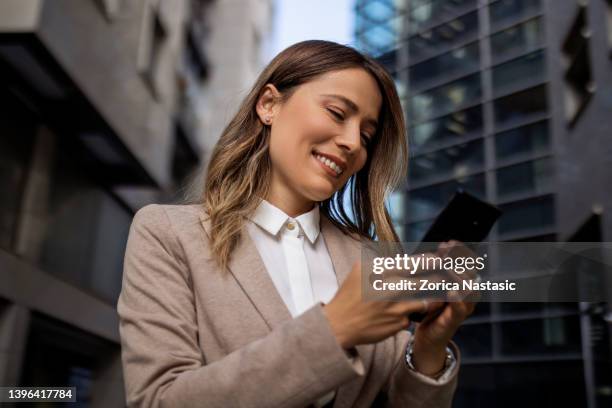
(272, 219)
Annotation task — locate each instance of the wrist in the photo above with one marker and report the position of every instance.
(428, 359)
(341, 333)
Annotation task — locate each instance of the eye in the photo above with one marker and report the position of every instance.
(339, 116)
(366, 140)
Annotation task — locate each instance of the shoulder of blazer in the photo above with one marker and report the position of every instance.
(326, 222)
(176, 217)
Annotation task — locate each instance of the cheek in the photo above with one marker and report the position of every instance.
(360, 161)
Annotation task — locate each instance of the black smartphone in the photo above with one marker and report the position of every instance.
(465, 218)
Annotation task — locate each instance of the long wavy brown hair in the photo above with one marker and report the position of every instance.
(238, 173)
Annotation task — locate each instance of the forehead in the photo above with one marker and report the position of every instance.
(355, 84)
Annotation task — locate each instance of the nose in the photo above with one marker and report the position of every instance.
(350, 139)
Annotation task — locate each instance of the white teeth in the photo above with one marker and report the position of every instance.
(329, 164)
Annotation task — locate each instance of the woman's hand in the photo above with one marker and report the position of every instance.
(356, 322)
(435, 332)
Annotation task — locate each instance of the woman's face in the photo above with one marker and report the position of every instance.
(319, 136)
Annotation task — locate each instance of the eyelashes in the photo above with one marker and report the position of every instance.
(340, 118)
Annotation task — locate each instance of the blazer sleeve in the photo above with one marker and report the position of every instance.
(408, 388)
(163, 364)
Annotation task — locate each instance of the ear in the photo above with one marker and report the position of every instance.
(268, 103)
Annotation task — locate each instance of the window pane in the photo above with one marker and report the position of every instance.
(529, 68)
(428, 201)
(457, 125)
(450, 64)
(417, 3)
(534, 337)
(474, 340)
(527, 215)
(62, 354)
(520, 106)
(522, 141)
(447, 98)
(518, 39)
(436, 10)
(505, 11)
(454, 161)
(416, 231)
(85, 233)
(397, 206)
(378, 10)
(15, 149)
(434, 41)
(531, 384)
(531, 177)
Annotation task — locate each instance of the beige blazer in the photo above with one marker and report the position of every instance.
(194, 337)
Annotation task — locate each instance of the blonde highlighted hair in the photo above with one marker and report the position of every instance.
(239, 170)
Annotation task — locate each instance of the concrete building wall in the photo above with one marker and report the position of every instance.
(110, 79)
(585, 151)
(235, 52)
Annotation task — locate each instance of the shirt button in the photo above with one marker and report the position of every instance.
(290, 226)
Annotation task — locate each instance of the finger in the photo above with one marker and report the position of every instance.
(470, 307)
(460, 311)
(407, 307)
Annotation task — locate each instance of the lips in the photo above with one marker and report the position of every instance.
(330, 167)
(340, 164)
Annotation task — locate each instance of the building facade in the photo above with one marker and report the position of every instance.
(105, 106)
(506, 99)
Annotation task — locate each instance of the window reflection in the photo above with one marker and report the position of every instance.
(427, 201)
(527, 215)
(416, 231)
(397, 206)
(452, 63)
(531, 177)
(447, 98)
(520, 106)
(529, 68)
(519, 39)
(456, 161)
(504, 11)
(530, 139)
(456, 125)
(378, 25)
(429, 12)
(538, 336)
(432, 42)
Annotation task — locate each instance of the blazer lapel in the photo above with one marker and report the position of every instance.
(250, 272)
(344, 252)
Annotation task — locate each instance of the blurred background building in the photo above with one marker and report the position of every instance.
(105, 105)
(510, 100)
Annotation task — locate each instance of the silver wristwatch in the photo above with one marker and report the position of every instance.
(449, 361)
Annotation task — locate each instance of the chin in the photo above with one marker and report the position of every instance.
(321, 194)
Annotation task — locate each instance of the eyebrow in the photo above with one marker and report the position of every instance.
(352, 106)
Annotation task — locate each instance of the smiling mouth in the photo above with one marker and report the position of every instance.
(331, 167)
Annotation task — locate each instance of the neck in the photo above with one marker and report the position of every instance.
(289, 202)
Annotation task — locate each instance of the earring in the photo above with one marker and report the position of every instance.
(268, 119)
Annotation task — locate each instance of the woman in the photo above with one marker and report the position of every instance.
(253, 297)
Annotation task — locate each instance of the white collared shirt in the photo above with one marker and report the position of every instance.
(297, 260)
(295, 257)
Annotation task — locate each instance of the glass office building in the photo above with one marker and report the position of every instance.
(493, 93)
